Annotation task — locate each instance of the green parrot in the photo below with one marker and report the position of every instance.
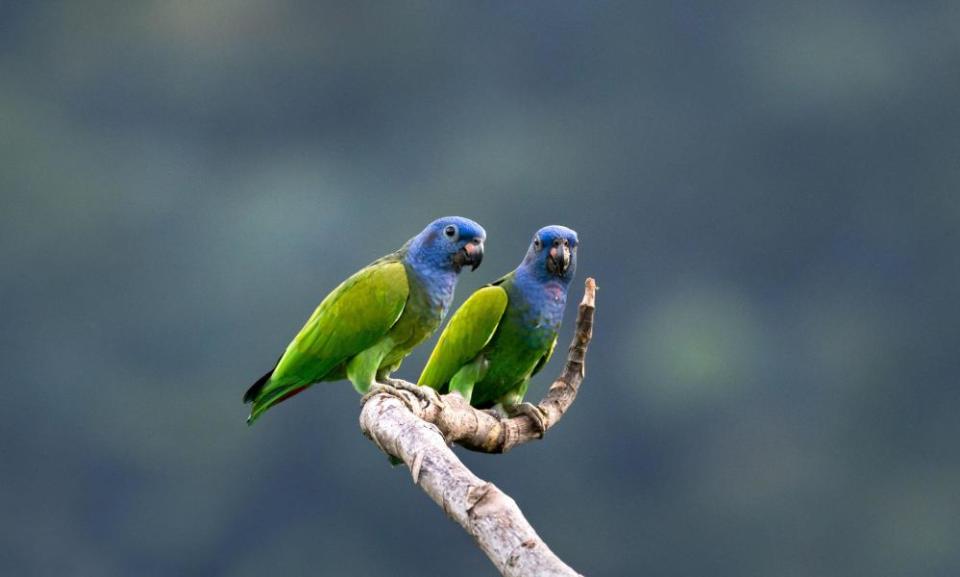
(364, 328)
(506, 331)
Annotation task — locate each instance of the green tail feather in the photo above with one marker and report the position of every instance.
(271, 398)
(254, 391)
(263, 397)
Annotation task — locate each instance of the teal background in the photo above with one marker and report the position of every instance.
(766, 192)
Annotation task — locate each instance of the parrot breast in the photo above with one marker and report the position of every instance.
(526, 333)
(427, 305)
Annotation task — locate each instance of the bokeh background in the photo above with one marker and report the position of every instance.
(767, 194)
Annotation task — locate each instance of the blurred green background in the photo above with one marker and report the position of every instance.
(767, 194)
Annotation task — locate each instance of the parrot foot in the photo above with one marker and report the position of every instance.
(425, 394)
(536, 414)
(377, 388)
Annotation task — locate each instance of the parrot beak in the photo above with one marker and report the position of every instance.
(559, 259)
(471, 254)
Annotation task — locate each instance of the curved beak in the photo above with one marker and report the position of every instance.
(471, 254)
(559, 260)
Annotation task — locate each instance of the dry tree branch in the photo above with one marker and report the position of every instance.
(417, 432)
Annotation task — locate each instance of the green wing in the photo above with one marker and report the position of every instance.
(470, 329)
(352, 318)
(545, 358)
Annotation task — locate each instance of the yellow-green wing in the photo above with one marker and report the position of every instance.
(470, 329)
(545, 358)
(352, 318)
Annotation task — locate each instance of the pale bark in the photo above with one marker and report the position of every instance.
(417, 431)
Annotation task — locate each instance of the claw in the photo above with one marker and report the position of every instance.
(536, 414)
(425, 394)
(377, 388)
(374, 389)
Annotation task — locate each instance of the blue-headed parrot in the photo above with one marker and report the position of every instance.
(364, 328)
(506, 331)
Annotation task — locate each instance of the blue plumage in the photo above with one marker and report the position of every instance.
(432, 257)
(540, 294)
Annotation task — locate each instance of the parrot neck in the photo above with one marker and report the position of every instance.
(544, 299)
(437, 282)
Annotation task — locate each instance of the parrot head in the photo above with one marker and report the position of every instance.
(553, 254)
(449, 243)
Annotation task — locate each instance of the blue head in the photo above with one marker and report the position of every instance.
(552, 255)
(446, 246)
(440, 251)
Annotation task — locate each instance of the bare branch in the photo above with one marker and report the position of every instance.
(417, 431)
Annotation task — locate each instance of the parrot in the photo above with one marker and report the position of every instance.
(507, 330)
(365, 327)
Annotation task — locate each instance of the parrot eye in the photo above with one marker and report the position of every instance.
(450, 231)
(537, 244)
